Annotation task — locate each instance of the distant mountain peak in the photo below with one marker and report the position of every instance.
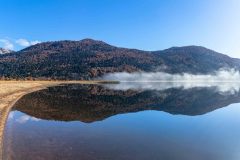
(192, 50)
(5, 51)
(91, 41)
(190, 47)
(68, 45)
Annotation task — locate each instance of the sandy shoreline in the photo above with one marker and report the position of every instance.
(12, 91)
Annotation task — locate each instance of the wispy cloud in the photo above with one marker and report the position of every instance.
(7, 44)
(25, 43)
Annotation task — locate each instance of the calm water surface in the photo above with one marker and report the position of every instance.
(92, 122)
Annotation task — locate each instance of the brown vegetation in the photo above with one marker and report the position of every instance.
(87, 59)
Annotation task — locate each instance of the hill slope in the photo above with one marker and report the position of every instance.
(89, 58)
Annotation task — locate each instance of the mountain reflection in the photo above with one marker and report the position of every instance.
(90, 103)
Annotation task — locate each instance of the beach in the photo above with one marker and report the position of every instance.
(12, 91)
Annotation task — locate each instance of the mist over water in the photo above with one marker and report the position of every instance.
(224, 80)
(229, 75)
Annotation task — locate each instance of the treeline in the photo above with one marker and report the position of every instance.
(87, 59)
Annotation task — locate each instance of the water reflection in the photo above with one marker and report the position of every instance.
(219, 86)
(57, 123)
(89, 103)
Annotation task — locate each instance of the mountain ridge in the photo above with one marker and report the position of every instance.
(88, 58)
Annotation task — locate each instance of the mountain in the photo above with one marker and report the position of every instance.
(195, 59)
(4, 51)
(89, 58)
(90, 103)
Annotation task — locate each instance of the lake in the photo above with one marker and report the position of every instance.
(127, 121)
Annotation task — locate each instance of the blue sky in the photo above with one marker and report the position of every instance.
(142, 24)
